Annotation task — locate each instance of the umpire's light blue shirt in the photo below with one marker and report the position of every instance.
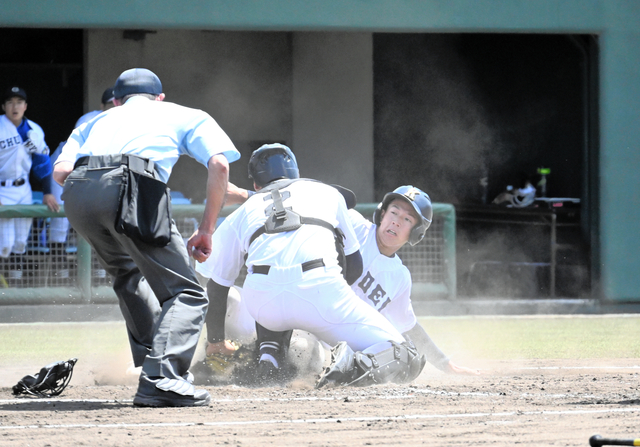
(157, 130)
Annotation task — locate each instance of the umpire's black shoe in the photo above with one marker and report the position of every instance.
(164, 392)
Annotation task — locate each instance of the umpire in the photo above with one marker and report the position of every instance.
(114, 170)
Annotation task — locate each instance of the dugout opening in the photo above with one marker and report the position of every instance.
(463, 116)
(48, 65)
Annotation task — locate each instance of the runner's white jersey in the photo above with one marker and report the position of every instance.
(385, 282)
(308, 198)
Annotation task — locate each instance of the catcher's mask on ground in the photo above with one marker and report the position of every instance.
(50, 381)
(421, 203)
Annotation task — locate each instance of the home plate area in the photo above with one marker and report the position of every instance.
(559, 402)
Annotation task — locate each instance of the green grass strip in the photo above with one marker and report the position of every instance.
(537, 337)
(499, 338)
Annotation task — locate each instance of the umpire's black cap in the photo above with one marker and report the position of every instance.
(14, 91)
(137, 80)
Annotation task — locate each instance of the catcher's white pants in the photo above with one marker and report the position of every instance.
(239, 325)
(318, 301)
(305, 351)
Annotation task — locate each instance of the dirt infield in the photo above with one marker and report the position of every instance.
(561, 402)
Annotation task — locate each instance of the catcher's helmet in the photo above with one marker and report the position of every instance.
(272, 162)
(421, 204)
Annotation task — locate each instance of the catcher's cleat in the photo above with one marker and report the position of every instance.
(50, 381)
(341, 369)
(267, 374)
(164, 392)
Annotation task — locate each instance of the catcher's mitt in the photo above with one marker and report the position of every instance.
(50, 381)
(220, 369)
(225, 363)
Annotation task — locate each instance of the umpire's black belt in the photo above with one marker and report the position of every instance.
(135, 163)
(306, 266)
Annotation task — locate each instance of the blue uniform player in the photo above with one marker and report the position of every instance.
(59, 226)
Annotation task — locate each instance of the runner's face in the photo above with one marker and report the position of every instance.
(395, 226)
(14, 108)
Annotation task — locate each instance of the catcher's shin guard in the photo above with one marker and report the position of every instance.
(400, 363)
(416, 365)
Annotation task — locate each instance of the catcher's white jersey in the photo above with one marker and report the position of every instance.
(307, 198)
(385, 282)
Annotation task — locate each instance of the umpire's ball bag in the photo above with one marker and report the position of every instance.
(145, 209)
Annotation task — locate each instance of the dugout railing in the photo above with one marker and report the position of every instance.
(74, 276)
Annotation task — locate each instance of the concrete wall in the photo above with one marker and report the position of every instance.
(312, 91)
(243, 80)
(333, 108)
(620, 164)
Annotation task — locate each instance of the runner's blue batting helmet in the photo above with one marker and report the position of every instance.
(421, 204)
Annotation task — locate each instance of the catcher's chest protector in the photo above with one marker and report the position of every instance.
(284, 219)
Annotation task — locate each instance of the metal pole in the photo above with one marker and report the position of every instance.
(554, 248)
(84, 269)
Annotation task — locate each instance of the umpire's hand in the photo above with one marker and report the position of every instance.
(199, 245)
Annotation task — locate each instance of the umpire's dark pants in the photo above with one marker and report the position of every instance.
(161, 300)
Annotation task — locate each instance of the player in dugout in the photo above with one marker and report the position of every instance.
(22, 150)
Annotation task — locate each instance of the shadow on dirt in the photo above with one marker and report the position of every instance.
(606, 402)
(28, 404)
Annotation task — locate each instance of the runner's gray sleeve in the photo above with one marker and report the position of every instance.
(427, 347)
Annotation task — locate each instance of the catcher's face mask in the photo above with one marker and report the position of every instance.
(50, 381)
